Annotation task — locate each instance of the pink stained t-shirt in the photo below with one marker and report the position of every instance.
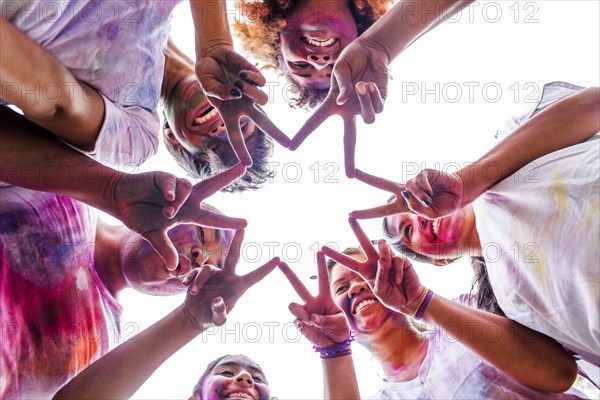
(56, 316)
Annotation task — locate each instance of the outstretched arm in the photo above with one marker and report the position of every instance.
(122, 371)
(46, 92)
(324, 324)
(148, 203)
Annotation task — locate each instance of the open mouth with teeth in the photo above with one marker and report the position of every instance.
(435, 226)
(319, 42)
(239, 395)
(205, 116)
(364, 303)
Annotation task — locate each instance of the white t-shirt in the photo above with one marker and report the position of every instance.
(540, 234)
(114, 46)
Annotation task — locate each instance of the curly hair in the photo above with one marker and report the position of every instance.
(261, 22)
(204, 164)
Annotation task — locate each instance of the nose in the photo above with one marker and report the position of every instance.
(320, 61)
(217, 130)
(244, 379)
(423, 222)
(357, 288)
(199, 257)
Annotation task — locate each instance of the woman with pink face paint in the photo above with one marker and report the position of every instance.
(527, 213)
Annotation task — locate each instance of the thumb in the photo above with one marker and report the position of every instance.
(219, 311)
(342, 75)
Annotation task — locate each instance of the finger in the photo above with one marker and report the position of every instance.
(182, 192)
(382, 277)
(189, 278)
(259, 273)
(366, 104)
(212, 219)
(343, 77)
(236, 140)
(325, 111)
(210, 186)
(344, 259)
(219, 311)
(163, 246)
(385, 253)
(167, 183)
(323, 275)
(200, 279)
(295, 281)
(423, 181)
(328, 321)
(219, 90)
(252, 92)
(349, 145)
(233, 254)
(418, 192)
(267, 126)
(363, 239)
(375, 212)
(377, 182)
(253, 77)
(299, 312)
(376, 98)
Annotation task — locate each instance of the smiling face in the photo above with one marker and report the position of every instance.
(194, 123)
(144, 269)
(235, 377)
(365, 313)
(316, 32)
(443, 238)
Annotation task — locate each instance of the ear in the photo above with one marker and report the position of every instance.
(170, 136)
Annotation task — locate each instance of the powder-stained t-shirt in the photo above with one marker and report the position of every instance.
(452, 371)
(540, 234)
(115, 46)
(56, 316)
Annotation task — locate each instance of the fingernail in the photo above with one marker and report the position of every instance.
(235, 93)
(170, 211)
(360, 88)
(372, 87)
(243, 75)
(426, 202)
(194, 290)
(406, 194)
(238, 84)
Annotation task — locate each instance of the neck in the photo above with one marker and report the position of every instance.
(398, 347)
(177, 67)
(107, 256)
(472, 244)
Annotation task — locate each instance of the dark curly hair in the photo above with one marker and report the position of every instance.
(204, 164)
(258, 30)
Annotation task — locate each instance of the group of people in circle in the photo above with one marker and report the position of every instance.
(62, 268)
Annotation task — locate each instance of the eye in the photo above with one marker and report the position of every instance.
(202, 238)
(300, 65)
(407, 231)
(341, 289)
(226, 373)
(258, 379)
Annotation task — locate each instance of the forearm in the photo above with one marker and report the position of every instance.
(211, 25)
(527, 356)
(339, 378)
(121, 372)
(32, 158)
(46, 91)
(408, 20)
(177, 67)
(567, 122)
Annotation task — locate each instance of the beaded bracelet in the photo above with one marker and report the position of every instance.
(329, 352)
(425, 299)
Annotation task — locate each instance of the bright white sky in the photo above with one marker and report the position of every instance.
(450, 91)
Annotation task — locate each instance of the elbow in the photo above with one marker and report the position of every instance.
(566, 376)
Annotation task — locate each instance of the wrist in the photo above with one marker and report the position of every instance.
(189, 321)
(337, 350)
(473, 182)
(419, 306)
